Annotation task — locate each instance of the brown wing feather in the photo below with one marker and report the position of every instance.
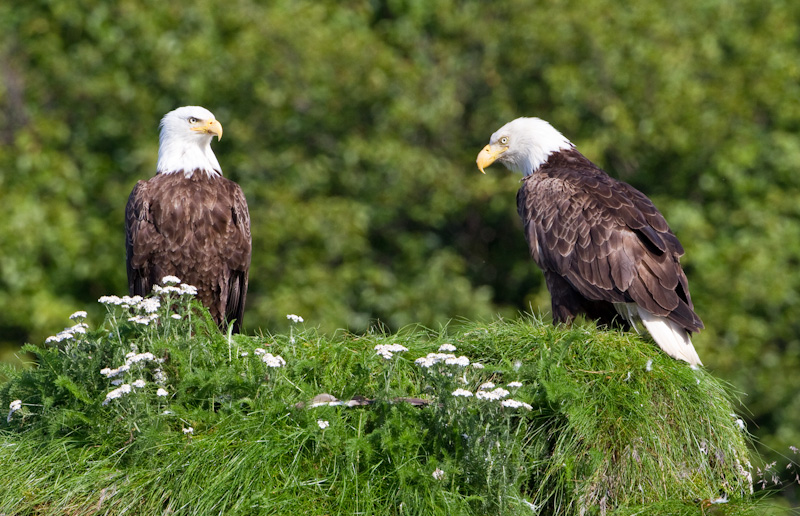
(197, 229)
(604, 238)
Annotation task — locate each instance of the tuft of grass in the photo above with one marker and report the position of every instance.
(603, 423)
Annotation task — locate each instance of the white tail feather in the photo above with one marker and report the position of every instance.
(671, 338)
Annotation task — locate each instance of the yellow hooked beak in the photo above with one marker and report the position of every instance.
(210, 127)
(489, 155)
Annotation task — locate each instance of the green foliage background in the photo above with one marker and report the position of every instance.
(353, 127)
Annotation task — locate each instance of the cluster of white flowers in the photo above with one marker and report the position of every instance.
(387, 351)
(462, 393)
(495, 395)
(461, 361)
(294, 318)
(162, 392)
(68, 333)
(13, 407)
(124, 301)
(268, 358)
(167, 280)
(514, 385)
(476, 365)
(184, 290)
(432, 359)
(143, 319)
(117, 393)
(273, 360)
(447, 348)
(323, 424)
(438, 474)
(649, 366)
(130, 359)
(486, 386)
(516, 404)
(188, 431)
(80, 314)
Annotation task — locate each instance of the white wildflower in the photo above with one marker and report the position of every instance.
(387, 351)
(273, 360)
(132, 358)
(143, 319)
(188, 431)
(740, 424)
(433, 358)
(486, 386)
(649, 365)
(159, 376)
(170, 279)
(80, 314)
(117, 382)
(438, 474)
(117, 393)
(139, 383)
(175, 316)
(447, 347)
(514, 385)
(244, 354)
(169, 289)
(462, 392)
(511, 403)
(322, 424)
(259, 351)
(162, 393)
(149, 305)
(494, 395)
(190, 290)
(294, 318)
(461, 361)
(477, 365)
(110, 300)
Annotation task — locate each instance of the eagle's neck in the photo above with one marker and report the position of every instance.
(539, 141)
(176, 155)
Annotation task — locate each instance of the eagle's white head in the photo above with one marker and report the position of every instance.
(185, 142)
(522, 145)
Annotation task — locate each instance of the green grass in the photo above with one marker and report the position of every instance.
(615, 426)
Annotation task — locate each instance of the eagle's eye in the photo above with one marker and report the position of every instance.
(504, 140)
(192, 120)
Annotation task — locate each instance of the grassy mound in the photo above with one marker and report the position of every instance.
(577, 422)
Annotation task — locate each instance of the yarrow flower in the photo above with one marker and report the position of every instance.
(294, 318)
(649, 365)
(117, 393)
(188, 431)
(150, 305)
(486, 386)
(387, 351)
(68, 333)
(143, 319)
(13, 407)
(170, 279)
(139, 383)
(188, 290)
(477, 365)
(80, 314)
(514, 385)
(494, 395)
(447, 347)
(461, 361)
(259, 351)
(438, 474)
(175, 316)
(516, 404)
(273, 360)
(162, 393)
(322, 424)
(462, 392)
(433, 358)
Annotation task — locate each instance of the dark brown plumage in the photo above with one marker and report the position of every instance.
(195, 226)
(604, 248)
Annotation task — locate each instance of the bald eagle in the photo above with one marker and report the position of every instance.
(604, 248)
(189, 221)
